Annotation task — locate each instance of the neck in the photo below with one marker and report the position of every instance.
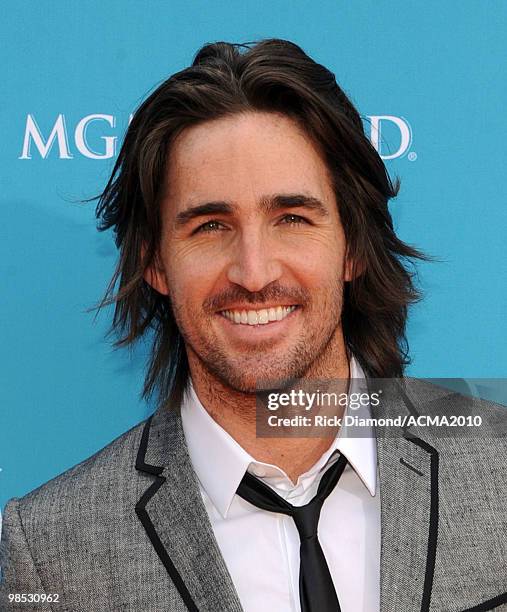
(235, 412)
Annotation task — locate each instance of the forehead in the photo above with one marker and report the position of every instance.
(243, 158)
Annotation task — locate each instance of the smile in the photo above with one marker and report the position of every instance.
(257, 317)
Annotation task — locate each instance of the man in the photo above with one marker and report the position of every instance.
(251, 215)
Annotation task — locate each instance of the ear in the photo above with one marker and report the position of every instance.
(155, 274)
(352, 269)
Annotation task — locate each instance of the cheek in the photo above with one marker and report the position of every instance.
(320, 266)
(191, 279)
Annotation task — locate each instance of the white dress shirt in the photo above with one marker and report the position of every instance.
(261, 548)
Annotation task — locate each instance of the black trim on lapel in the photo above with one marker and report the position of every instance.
(141, 465)
(433, 530)
(433, 527)
(141, 512)
(408, 469)
(489, 605)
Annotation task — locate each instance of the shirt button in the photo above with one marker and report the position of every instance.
(259, 471)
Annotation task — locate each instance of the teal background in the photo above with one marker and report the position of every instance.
(65, 392)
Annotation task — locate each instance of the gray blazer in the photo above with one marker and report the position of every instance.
(127, 530)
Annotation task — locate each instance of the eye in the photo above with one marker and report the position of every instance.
(293, 220)
(209, 226)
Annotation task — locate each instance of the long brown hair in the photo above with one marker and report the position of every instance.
(272, 75)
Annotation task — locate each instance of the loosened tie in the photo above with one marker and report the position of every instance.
(316, 589)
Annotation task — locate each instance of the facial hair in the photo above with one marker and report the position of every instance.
(245, 373)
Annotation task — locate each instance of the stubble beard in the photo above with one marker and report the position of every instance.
(255, 370)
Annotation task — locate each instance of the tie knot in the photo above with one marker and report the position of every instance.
(306, 518)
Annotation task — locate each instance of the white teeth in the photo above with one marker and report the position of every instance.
(252, 317)
(263, 317)
(257, 317)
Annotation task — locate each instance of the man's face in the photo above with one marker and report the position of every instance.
(253, 252)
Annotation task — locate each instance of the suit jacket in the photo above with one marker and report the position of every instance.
(127, 530)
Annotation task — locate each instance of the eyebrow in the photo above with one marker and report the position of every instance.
(267, 204)
(272, 204)
(202, 210)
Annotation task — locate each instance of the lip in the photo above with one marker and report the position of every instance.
(255, 333)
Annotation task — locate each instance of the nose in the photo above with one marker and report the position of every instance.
(254, 264)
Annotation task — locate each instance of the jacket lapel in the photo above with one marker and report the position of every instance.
(175, 519)
(408, 468)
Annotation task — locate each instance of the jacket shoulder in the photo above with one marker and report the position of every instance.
(457, 400)
(75, 490)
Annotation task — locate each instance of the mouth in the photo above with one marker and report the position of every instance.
(263, 316)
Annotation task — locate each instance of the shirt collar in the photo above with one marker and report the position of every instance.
(220, 462)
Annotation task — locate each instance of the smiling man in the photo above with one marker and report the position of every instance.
(255, 240)
(247, 199)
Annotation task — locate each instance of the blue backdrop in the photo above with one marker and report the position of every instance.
(77, 70)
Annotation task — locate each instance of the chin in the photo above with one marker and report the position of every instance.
(258, 370)
(270, 378)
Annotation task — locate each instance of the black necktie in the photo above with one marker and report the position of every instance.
(316, 589)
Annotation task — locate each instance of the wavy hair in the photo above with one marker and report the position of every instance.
(271, 75)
